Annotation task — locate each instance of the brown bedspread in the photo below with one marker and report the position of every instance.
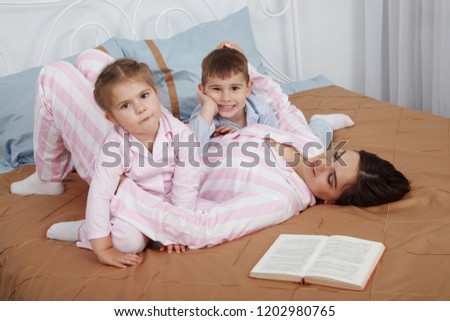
(415, 230)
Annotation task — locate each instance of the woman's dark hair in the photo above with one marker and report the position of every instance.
(378, 182)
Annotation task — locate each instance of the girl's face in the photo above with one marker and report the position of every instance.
(135, 106)
(230, 95)
(328, 175)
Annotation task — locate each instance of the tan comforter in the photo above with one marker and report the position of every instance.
(415, 230)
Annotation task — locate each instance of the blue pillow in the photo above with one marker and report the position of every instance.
(17, 118)
(17, 93)
(176, 61)
(306, 84)
(182, 54)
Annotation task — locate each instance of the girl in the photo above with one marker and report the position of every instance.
(71, 133)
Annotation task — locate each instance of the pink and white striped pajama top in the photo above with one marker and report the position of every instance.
(234, 199)
(245, 188)
(242, 190)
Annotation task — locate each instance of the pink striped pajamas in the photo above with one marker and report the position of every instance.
(71, 132)
(234, 199)
(156, 172)
(289, 117)
(69, 127)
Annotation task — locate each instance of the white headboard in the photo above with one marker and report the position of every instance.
(36, 32)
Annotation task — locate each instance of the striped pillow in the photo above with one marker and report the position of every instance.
(176, 61)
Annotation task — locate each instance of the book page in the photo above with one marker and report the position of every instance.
(346, 259)
(289, 255)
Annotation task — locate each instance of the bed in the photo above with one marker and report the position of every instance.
(415, 230)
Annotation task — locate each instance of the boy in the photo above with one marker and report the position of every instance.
(230, 101)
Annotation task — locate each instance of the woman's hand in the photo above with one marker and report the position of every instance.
(230, 44)
(223, 130)
(177, 248)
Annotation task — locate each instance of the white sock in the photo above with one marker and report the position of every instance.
(64, 231)
(34, 185)
(337, 121)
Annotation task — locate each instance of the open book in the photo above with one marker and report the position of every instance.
(337, 261)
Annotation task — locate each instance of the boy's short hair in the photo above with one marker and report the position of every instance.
(123, 69)
(223, 63)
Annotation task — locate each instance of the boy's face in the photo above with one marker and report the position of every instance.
(135, 106)
(229, 94)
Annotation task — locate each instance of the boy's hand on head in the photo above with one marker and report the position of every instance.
(209, 107)
(230, 44)
(205, 99)
(177, 248)
(223, 130)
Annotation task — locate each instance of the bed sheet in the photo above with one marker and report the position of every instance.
(415, 230)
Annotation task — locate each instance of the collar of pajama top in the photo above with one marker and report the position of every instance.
(298, 142)
(165, 135)
(253, 108)
(159, 180)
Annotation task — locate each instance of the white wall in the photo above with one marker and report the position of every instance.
(329, 33)
(333, 41)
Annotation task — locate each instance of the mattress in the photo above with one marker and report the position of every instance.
(415, 230)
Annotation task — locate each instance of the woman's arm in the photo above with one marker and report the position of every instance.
(211, 223)
(289, 117)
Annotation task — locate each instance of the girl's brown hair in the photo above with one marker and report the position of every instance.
(122, 69)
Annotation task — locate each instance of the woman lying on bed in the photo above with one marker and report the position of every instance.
(239, 195)
(256, 177)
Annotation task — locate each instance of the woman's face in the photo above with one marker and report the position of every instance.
(328, 175)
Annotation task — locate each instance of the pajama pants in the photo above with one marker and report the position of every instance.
(70, 130)
(236, 197)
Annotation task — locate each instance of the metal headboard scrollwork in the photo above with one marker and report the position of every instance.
(133, 17)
